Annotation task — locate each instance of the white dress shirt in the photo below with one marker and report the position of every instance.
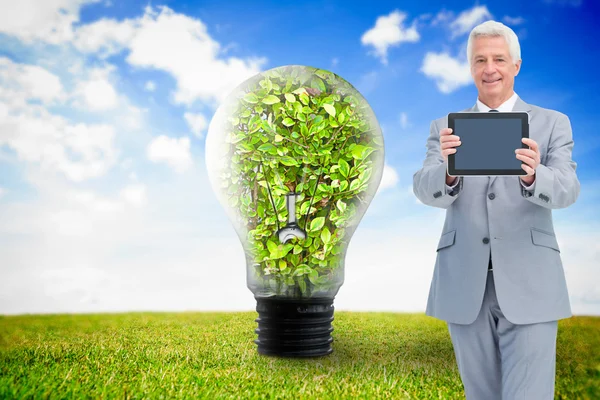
(508, 105)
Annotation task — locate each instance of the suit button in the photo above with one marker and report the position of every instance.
(486, 240)
(491, 196)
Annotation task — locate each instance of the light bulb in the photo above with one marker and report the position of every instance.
(294, 155)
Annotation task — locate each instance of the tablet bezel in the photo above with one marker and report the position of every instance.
(523, 116)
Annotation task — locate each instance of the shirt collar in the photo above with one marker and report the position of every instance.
(508, 105)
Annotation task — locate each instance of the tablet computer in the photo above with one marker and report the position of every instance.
(488, 143)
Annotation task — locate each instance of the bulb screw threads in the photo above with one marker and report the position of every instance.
(290, 327)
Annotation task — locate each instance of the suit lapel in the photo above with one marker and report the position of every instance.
(520, 105)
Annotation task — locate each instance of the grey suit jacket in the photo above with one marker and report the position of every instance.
(497, 214)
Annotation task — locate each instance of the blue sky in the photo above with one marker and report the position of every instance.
(104, 200)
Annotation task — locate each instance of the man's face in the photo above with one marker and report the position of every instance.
(492, 68)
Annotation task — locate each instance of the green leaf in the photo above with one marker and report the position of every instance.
(317, 223)
(358, 152)
(317, 83)
(297, 249)
(288, 121)
(245, 147)
(302, 284)
(341, 205)
(271, 246)
(267, 147)
(304, 98)
(271, 99)
(325, 235)
(251, 98)
(343, 185)
(299, 91)
(365, 175)
(317, 120)
(344, 167)
(289, 161)
(302, 269)
(354, 184)
(290, 97)
(282, 265)
(304, 130)
(278, 138)
(330, 109)
(313, 276)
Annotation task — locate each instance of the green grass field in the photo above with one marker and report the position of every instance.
(213, 356)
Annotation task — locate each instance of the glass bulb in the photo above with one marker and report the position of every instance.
(294, 155)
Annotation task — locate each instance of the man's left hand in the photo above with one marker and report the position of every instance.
(531, 159)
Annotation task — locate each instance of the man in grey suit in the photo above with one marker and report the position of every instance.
(498, 279)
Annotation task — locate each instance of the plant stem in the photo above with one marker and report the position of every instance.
(293, 141)
(335, 134)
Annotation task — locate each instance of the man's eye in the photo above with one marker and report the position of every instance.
(501, 60)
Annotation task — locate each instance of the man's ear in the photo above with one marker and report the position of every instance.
(518, 67)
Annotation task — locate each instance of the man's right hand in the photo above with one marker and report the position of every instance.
(448, 142)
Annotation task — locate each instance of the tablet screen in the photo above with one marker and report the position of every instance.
(488, 143)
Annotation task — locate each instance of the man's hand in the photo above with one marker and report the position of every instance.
(531, 157)
(448, 142)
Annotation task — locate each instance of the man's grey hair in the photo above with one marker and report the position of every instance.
(493, 28)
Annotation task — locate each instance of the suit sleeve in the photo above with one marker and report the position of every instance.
(429, 183)
(556, 183)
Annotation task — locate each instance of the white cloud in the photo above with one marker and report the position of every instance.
(174, 152)
(194, 61)
(197, 123)
(79, 150)
(90, 201)
(2, 192)
(442, 17)
(99, 94)
(104, 37)
(50, 21)
(389, 178)
(513, 20)
(404, 120)
(49, 140)
(468, 19)
(94, 90)
(150, 86)
(134, 194)
(334, 61)
(449, 73)
(197, 61)
(389, 31)
(28, 82)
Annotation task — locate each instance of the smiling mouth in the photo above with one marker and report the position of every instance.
(494, 81)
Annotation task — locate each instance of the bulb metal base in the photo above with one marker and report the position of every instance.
(294, 327)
